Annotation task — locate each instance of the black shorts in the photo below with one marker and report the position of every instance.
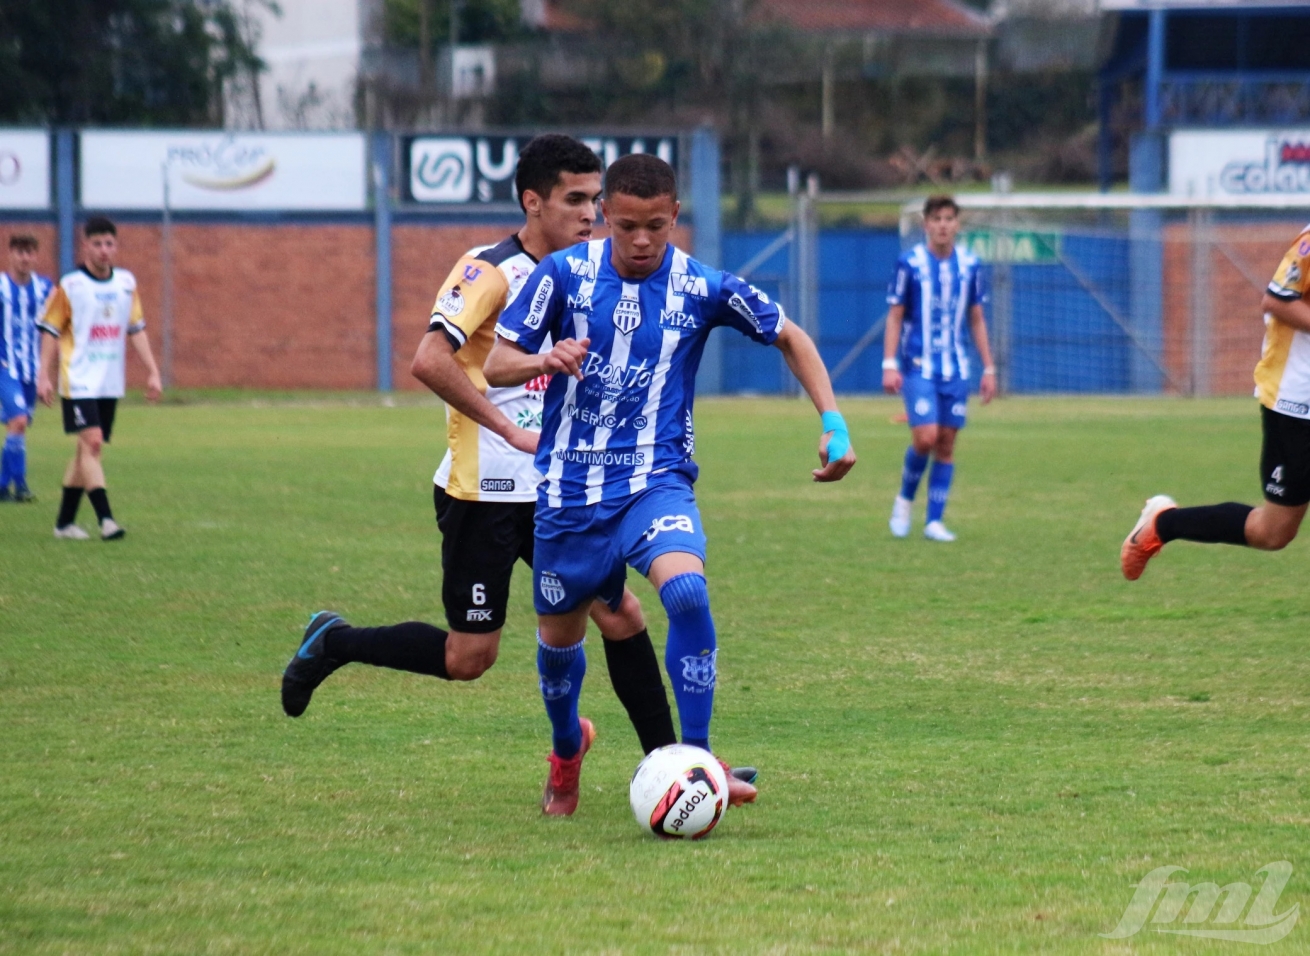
(1285, 458)
(81, 413)
(480, 541)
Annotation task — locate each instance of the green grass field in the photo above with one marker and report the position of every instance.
(978, 747)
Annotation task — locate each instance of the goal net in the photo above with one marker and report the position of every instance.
(1125, 293)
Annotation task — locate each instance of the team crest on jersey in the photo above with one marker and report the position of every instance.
(471, 272)
(700, 671)
(582, 267)
(551, 588)
(686, 284)
(1293, 275)
(451, 303)
(627, 315)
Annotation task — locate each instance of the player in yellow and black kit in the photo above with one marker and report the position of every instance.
(1282, 384)
(486, 488)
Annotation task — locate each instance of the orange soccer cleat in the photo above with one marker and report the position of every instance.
(739, 791)
(1143, 543)
(560, 798)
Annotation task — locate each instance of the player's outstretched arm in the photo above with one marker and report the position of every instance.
(511, 364)
(434, 365)
(835, 451)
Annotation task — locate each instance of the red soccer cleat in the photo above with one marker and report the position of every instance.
(560, 797)
(739, 791)
(1142, 544)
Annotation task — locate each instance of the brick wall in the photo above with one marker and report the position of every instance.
(1232, 275)
(284, 306)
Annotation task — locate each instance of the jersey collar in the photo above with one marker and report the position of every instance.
(93, 277)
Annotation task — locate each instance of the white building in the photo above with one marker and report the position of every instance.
(313, 51)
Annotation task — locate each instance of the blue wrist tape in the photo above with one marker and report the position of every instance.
(840, 442)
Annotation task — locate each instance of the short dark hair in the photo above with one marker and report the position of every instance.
(641, 175)
(936, 203)
(547, 156)
(99, 226)
(23, 240)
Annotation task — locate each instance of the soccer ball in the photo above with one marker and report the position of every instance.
(678, 792)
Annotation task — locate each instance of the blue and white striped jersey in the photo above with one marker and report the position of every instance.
(937, 295)
(20, 308)
(631, 415)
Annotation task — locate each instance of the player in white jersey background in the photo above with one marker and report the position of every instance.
(935, 301)
(630, 316)
(486, 487)
(23, 295)
(89, 319)
(1282, 384)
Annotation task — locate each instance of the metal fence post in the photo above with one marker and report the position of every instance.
(64, 200)
(1199, 221)
(705, 189)
(382, 254)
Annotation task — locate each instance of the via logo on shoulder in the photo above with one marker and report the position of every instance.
(685, 283)
(581, 267)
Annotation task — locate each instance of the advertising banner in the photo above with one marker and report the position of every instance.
(217, 170)
(1205, 164)
(24, 169)
(480, 169)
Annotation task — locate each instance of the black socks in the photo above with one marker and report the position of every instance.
(414, 646)
(639, 685)
(100, 502)
(68, 507)
(1210, 524)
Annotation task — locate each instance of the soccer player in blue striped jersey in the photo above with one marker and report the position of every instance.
(936, 301)
(23, 295)
(629, 316)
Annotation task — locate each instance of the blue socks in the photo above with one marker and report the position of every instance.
(690, 653)
(939, 489)
(13, 462)
(915, 464)
(561, 670)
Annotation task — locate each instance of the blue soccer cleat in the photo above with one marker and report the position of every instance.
(310, 666)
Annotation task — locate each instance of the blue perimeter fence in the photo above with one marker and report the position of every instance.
(1066, 331)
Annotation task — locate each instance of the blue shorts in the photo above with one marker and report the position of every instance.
(16, 398)
(932, 402)
(583, 552)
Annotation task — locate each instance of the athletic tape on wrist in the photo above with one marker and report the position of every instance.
(840, 442)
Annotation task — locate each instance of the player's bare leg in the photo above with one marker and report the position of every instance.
(690, 654)
(83, 474)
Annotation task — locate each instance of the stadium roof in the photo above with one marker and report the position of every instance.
(933, 17)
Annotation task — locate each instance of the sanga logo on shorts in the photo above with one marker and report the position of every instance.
(497, 484)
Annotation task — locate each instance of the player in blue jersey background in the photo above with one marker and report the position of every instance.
(630, 316)
(23, 295)
(936, 300)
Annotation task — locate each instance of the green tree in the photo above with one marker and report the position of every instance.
(145, 62)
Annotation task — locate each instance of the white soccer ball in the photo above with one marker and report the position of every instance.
(678, 792)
